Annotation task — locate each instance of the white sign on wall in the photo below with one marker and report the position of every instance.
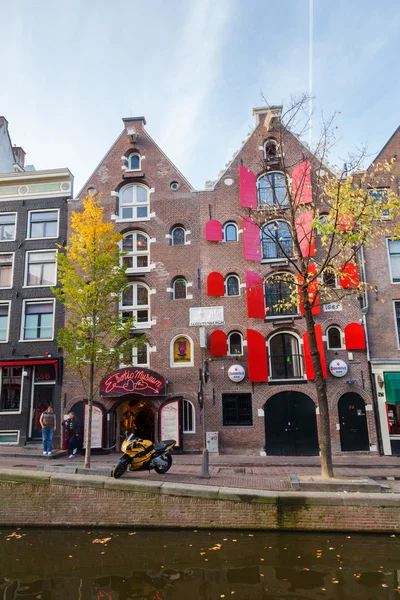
(333, 307)
(338, 368)
(97, 426)
(236, 373)
(169, 421)
(208, 315)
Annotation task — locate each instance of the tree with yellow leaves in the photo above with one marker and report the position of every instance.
(91, 281)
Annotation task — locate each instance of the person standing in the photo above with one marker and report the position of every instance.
(72, 427)
(48, 424)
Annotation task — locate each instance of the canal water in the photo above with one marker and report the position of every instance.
(69, 564)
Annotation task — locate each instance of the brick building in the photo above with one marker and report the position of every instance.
(193, 260)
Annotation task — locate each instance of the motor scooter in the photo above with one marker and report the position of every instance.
(139, 454)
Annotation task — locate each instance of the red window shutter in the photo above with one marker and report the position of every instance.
(305, 234)
(312, 292)
(213, 231)
(248, 188)
(218, 343)
(251, 239)
(307, 354)
(256, 356)
(255, 295)
(301, 183)
(354, 337)
(215, 284)
(349, 276)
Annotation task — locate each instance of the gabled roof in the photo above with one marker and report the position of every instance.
(385, 146)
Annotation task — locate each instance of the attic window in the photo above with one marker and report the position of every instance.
(174, 185)
(271, 150)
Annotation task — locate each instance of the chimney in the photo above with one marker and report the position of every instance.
(19, 156)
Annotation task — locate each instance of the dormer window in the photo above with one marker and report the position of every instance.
(134, 162)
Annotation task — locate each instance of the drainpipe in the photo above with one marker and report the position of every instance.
(372, 378)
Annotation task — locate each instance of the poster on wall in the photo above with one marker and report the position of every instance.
(97, 427)
(170, 421)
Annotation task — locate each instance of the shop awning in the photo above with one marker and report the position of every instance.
(392, 387)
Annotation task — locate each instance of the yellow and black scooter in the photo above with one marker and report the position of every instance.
(143, 455)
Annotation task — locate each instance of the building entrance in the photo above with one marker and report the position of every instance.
(135, 416)
(353, 423)
(290, 425)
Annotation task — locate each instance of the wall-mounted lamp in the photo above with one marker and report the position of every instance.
(25, 373)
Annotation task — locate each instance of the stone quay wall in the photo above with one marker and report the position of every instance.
(39, 499)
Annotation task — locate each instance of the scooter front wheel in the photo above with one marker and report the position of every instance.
(163, 468)
(120, 470)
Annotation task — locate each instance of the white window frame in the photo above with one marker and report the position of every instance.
(129, 161)
(6, 212)
(172, 235)
(47, 250)
(8, 303)
(270, 142)
(135, 308)
(36, 301)
(51, 237)
(17, 431)
(8, 287)
(193, 410)
(13, 412)
(134, 362)
(135, 253)
(395, 323)
(173, 288)
(390, 263)
(226, 286)
(171, 352)
(342, 345)
(280, 315)
(228, 223)
(134, 205)
(271, 206)
(228, 342)
(337, 286)
(301, 357)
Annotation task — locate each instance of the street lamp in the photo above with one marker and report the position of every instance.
(205, 473)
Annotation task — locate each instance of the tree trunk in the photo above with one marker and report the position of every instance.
(320, 385)
(88, 433)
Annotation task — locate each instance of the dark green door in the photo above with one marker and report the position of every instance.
(290, 425)
(353, 423)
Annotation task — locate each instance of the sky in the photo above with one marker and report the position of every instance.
(69, 71)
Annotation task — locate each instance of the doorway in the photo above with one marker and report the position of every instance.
(135, 416)
(43, 396)
(290, 425)
(353, 423)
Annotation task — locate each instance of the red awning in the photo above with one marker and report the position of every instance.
(31, 361)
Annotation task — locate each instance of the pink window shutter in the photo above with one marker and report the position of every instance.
(305, 234)
(301, 183)
(213, 231)
(248, 188)
(251, 239)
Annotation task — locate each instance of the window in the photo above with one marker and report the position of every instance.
(270, 150)
(11, 387)
(174, 185)
(285, 357)
(178, 236)
(136, 250)
(235, 344)
(137, 355)
(189, 421)
(41, 268)
(38, 320)
(230, 232)
(43, 224)
(397, 319)
(380, 195)
(4, 321)
(136, 303)
(237, 410)
(7, 226)
(334, 338)
(276, 240)
(232, 285)
(9, 437)
(6, 270)
(134, 162)
(330, 279)
(394, 260)
(134, 203)
(179, 289)
(272, 192)
(181, 352)
(279, 289)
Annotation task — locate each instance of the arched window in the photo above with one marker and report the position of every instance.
(189, 419)
(179, 287)
(279, 289)
(137, 356)
(178, 236)
(134, 162)
(272, 192)
(232, 285)
(276, 240)
(181, 351)
(136, 303)
(335, 338)
(230, 232)
(329, 279)
(134, 203)
(235, 344)
(270, 150)
(136, 250)
(284, 356)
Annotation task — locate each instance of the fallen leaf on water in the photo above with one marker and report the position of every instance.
(385, 585)
(101, 540)
(70, 556)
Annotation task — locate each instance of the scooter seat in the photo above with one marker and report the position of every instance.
(162, 445)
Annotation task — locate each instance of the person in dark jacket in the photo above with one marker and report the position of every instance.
(72, 427)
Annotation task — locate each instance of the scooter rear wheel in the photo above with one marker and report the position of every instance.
(120, 470)
(164, 468)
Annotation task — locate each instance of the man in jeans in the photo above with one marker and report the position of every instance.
(48, 424)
